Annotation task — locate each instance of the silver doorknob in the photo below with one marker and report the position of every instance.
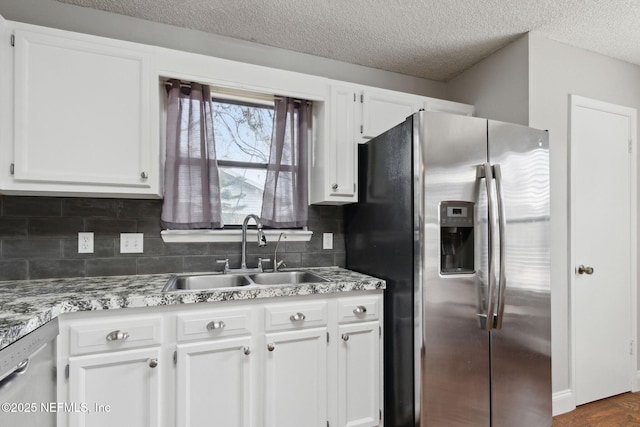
(585, 270)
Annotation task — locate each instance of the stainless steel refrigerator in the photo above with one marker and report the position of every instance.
(453, 213)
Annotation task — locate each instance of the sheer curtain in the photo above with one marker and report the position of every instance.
(285, 199)
(191, 181)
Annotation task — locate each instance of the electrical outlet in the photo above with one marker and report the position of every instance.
(327, 240)
(85, 243)
(131, 243)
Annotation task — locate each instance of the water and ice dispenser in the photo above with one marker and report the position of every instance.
(456, 238)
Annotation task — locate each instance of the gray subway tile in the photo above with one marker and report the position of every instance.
(13, 270)
(186, 249)
(56, 268)
(13, 228)
(111, 227)
(317, 259)
(31, 206)
(149, 226)
(111, 266)
(55, 227)
(153, 265)
(202, 263)
(149, 209)
(110, 208)
(41, 248)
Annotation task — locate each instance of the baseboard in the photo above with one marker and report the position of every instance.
(563, 402)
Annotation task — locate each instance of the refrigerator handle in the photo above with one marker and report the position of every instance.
(502, 226)
(487, 319)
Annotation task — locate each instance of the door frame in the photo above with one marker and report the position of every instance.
(579, 101)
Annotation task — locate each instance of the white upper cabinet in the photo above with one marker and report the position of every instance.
(333, 169)
(82, 122)
(442, 106)
(382, 110)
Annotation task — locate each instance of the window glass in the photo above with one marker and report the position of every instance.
(243, 140)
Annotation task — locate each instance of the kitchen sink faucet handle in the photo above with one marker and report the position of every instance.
(226, 264)
(260, 261)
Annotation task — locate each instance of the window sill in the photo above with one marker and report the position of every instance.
(190, 236)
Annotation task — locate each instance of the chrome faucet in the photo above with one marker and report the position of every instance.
(262, 240)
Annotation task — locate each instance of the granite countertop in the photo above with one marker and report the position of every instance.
(27, 305)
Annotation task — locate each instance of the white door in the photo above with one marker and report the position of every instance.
(214, 379)
(296, 379)
(602, 214)
(359, 375)
(117, 389)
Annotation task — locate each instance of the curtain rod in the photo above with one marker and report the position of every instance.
(183, 84)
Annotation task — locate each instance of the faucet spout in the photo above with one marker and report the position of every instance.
(262, 240)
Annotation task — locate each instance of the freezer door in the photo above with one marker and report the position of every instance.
(452, 348)
(521, 347)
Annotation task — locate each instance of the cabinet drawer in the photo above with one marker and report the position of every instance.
(114, 335)
(213, 324)
(295, 315)
(356, 309)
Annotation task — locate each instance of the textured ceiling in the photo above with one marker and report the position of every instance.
(434, 39)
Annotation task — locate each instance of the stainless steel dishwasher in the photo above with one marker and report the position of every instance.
(27, 379)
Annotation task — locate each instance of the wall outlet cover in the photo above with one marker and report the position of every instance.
(131, 243)
(327, 240)
(85, 242)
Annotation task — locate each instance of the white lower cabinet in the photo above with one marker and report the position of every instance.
(273, 362)
(115, 389)
(214, 381)
(295, 391)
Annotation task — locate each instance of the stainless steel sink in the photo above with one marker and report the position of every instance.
(205, 281)
(286, 277)
(201, 282)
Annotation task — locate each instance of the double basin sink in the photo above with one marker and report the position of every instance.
(199, 282)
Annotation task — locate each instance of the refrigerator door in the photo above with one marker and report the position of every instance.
(521, 346)
(452, 348)
(380, 241)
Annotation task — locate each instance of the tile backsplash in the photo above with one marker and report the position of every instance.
(39, 239)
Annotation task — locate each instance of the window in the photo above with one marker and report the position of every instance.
(243, 133)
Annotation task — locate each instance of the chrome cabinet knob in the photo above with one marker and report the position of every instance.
(345, 337)
(334, 187)
(271, 346)
(216, 324)
(361, 309)
(297, 317)
(144, 175)
(246, 351)
(117, 336)
(153, 362)
(585, 270)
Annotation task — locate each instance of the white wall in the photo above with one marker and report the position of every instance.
(50, 13)
(497, 85)
(555, 71)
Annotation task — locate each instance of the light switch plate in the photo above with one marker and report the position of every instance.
(131, 243)
(327, 240)
(85, 242)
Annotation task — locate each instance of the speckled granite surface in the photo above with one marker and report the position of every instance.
(26, 305)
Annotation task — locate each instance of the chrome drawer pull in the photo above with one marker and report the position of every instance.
(216, 324)
(297, 317)
(117, 336)
(361, 309)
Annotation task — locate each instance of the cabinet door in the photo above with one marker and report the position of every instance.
(82, 115)
(382, 111)
(358, 375)
(296, 379)
(342, 159)
(214, 382)
(119, 389)
(442, 106)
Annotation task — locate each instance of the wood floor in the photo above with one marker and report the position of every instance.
(618, 411)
